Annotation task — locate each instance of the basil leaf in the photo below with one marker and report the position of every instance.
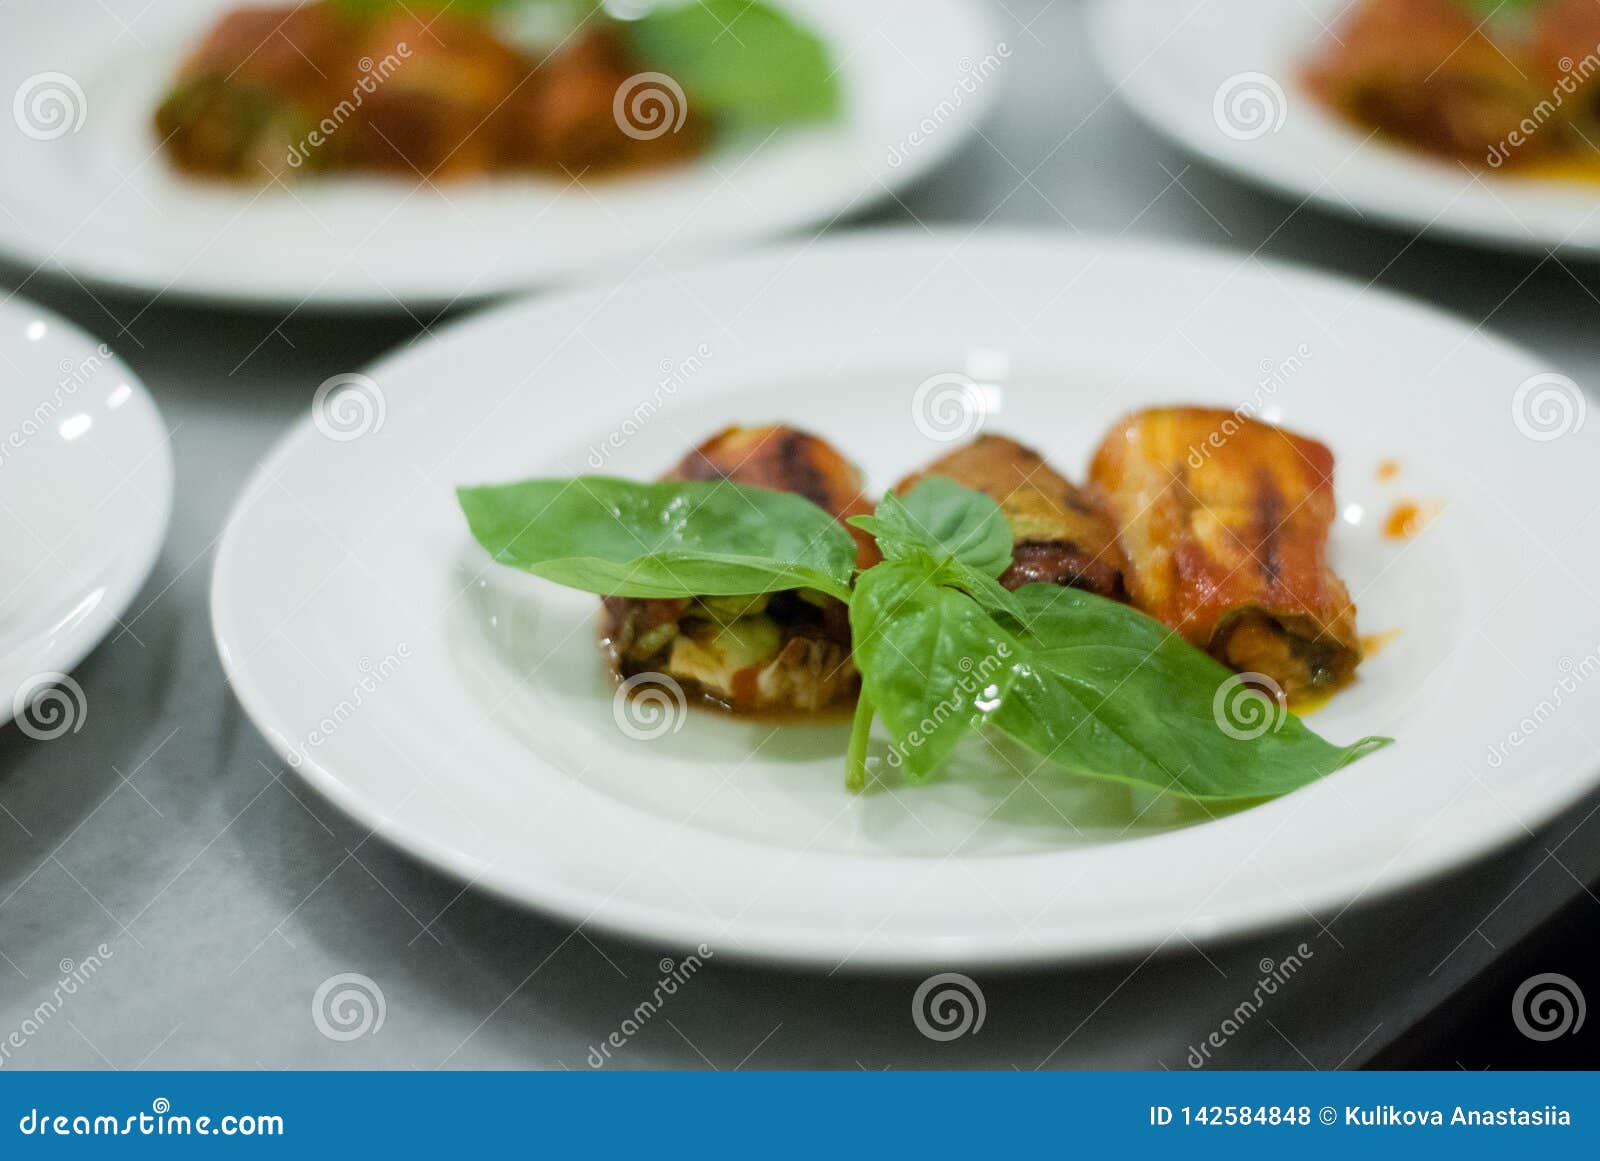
(741, 60)
(1108, 692)
(960, 528)
(1091, 685)
(942, 518)
(678, 539)
(931, 659)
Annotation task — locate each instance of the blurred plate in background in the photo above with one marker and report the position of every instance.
(1223, 81)
(85, 492)
(88, 191)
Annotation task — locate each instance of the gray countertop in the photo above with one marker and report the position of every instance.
(214, 893)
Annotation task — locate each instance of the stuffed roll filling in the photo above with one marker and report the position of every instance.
(782, 651)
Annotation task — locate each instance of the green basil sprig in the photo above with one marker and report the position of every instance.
(743, 61)
(962, 531)
(1089, 685)
(619, 538)
(1082, 681)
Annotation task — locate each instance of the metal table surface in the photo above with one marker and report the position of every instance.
(225, 892)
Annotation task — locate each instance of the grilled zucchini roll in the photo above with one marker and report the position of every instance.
(786, 651)
(1061, 535)
(1427, 72)
(1224, 523)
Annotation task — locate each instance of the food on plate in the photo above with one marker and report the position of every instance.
(1224, 520)
(1060, 533)
(970, 600)
(1426, 72)
(442, 91)
(1221, 538)
(769, 651)
(1489, 84)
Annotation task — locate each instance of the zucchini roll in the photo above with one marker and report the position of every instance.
(1061, 535)
(785, 651)
(1428, 73)
(1224, 523)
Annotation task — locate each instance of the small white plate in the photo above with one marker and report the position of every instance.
(88, 192)
(85, 492)
(1223, 80)
(461, 708)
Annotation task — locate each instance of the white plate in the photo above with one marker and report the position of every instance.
(461, 708)
(1222, 80)
(85, 492)
(96, 199)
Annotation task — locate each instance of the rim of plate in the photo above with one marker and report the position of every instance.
(133, 568)
(822, 946)
(1121, 46)
(97, 268)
